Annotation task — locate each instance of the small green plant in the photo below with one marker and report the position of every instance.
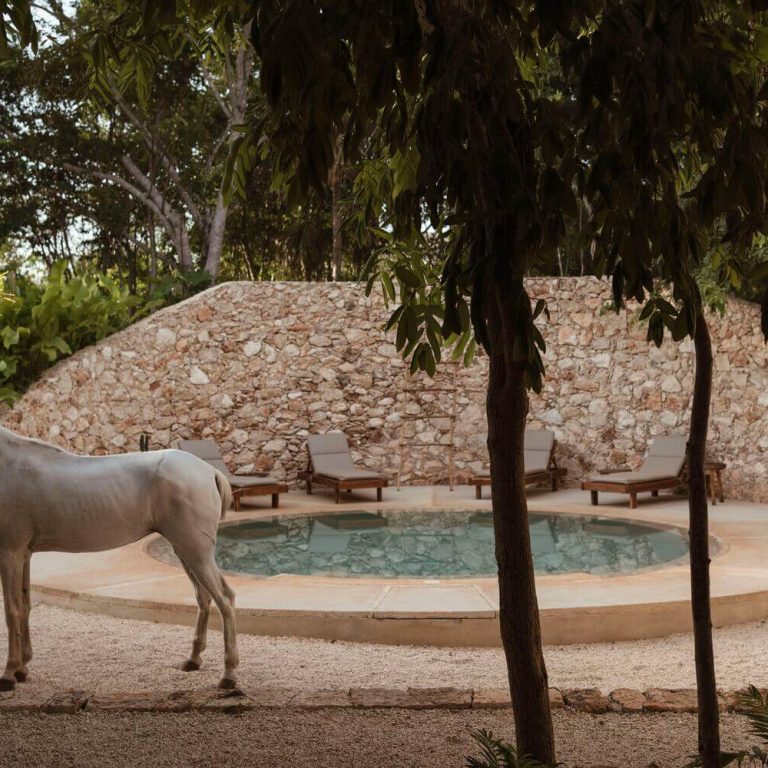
(496, 753)
(754, 705)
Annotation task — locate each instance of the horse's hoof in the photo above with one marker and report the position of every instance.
(227, 684)
(21, 675)
(190, 666)
(7, 683)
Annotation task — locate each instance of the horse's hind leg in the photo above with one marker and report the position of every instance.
(201, 628)
(11, 573)
(26, 605)
(201, 563)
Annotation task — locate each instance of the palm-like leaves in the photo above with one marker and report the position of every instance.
(496, 753)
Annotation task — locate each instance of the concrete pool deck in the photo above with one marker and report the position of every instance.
(575, 608)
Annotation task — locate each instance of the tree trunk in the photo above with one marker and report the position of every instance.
(152, 245)
(507, 408)
(215, 239)
(709, 723)
(335, 184)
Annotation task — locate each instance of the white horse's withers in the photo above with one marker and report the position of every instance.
(53, 500)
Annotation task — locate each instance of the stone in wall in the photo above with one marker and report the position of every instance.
(258, 366)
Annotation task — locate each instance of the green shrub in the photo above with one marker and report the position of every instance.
(755, 706)
(42, 323)
(496, 753)
(177, 286)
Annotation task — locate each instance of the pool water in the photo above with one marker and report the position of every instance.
(437, 545)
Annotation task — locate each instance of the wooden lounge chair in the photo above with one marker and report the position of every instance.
(540, 465)
(662, 468)
(242, 485)
(330, 464)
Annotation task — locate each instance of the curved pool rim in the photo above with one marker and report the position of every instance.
(574, 608)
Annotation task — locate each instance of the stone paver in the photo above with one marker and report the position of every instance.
(587, 700)
(663, 700)
(492, 698)
(627, 700)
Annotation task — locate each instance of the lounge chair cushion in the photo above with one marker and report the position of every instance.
(206, 450)
(331, 457)
(250, 481)
(666, 455)
(209, 452)
(665, 461)
(623, 478)
(537, 451)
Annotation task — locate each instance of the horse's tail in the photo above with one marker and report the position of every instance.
(225, 492)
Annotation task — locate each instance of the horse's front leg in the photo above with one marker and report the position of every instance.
(12, 575)
(26, 604)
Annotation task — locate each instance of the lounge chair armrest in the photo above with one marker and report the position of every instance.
(611, 470)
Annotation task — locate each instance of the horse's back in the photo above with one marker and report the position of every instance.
(89, 503)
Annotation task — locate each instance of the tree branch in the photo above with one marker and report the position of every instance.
(157, 148)
(163, 215)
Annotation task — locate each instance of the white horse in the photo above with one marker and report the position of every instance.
(53, 500)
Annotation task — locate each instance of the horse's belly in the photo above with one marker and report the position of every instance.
(88, 541)
(93, 525)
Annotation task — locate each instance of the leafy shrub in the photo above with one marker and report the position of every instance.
(177, 286)
(755, 706)
(42, 323)
(496, 753)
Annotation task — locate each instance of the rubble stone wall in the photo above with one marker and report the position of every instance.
(258, 366)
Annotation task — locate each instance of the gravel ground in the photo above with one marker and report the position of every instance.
(102, 655)
(335, 739)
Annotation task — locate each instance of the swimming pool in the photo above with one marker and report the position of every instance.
(438, 544)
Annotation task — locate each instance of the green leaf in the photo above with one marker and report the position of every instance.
(407, 277)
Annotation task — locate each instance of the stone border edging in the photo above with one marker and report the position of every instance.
(590, 700)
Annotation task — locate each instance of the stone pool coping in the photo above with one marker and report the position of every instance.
(590, 700)
(575, 608)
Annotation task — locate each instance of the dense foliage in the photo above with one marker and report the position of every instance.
(127, 178)
(42, 323)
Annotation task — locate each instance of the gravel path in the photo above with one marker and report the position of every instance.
(335, 739)
(101, 654)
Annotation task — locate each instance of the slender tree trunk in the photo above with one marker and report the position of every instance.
(335, 184)
(152, 245)
(507, 409)
(709, 722)
(215, 238)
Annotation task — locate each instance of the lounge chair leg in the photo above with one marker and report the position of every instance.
(275, 500)
(378, 494)
(309, 486)
(633, 501)
(338, 494)
(655, 494)
(478, 492)
(236, 502)
(593, 497)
